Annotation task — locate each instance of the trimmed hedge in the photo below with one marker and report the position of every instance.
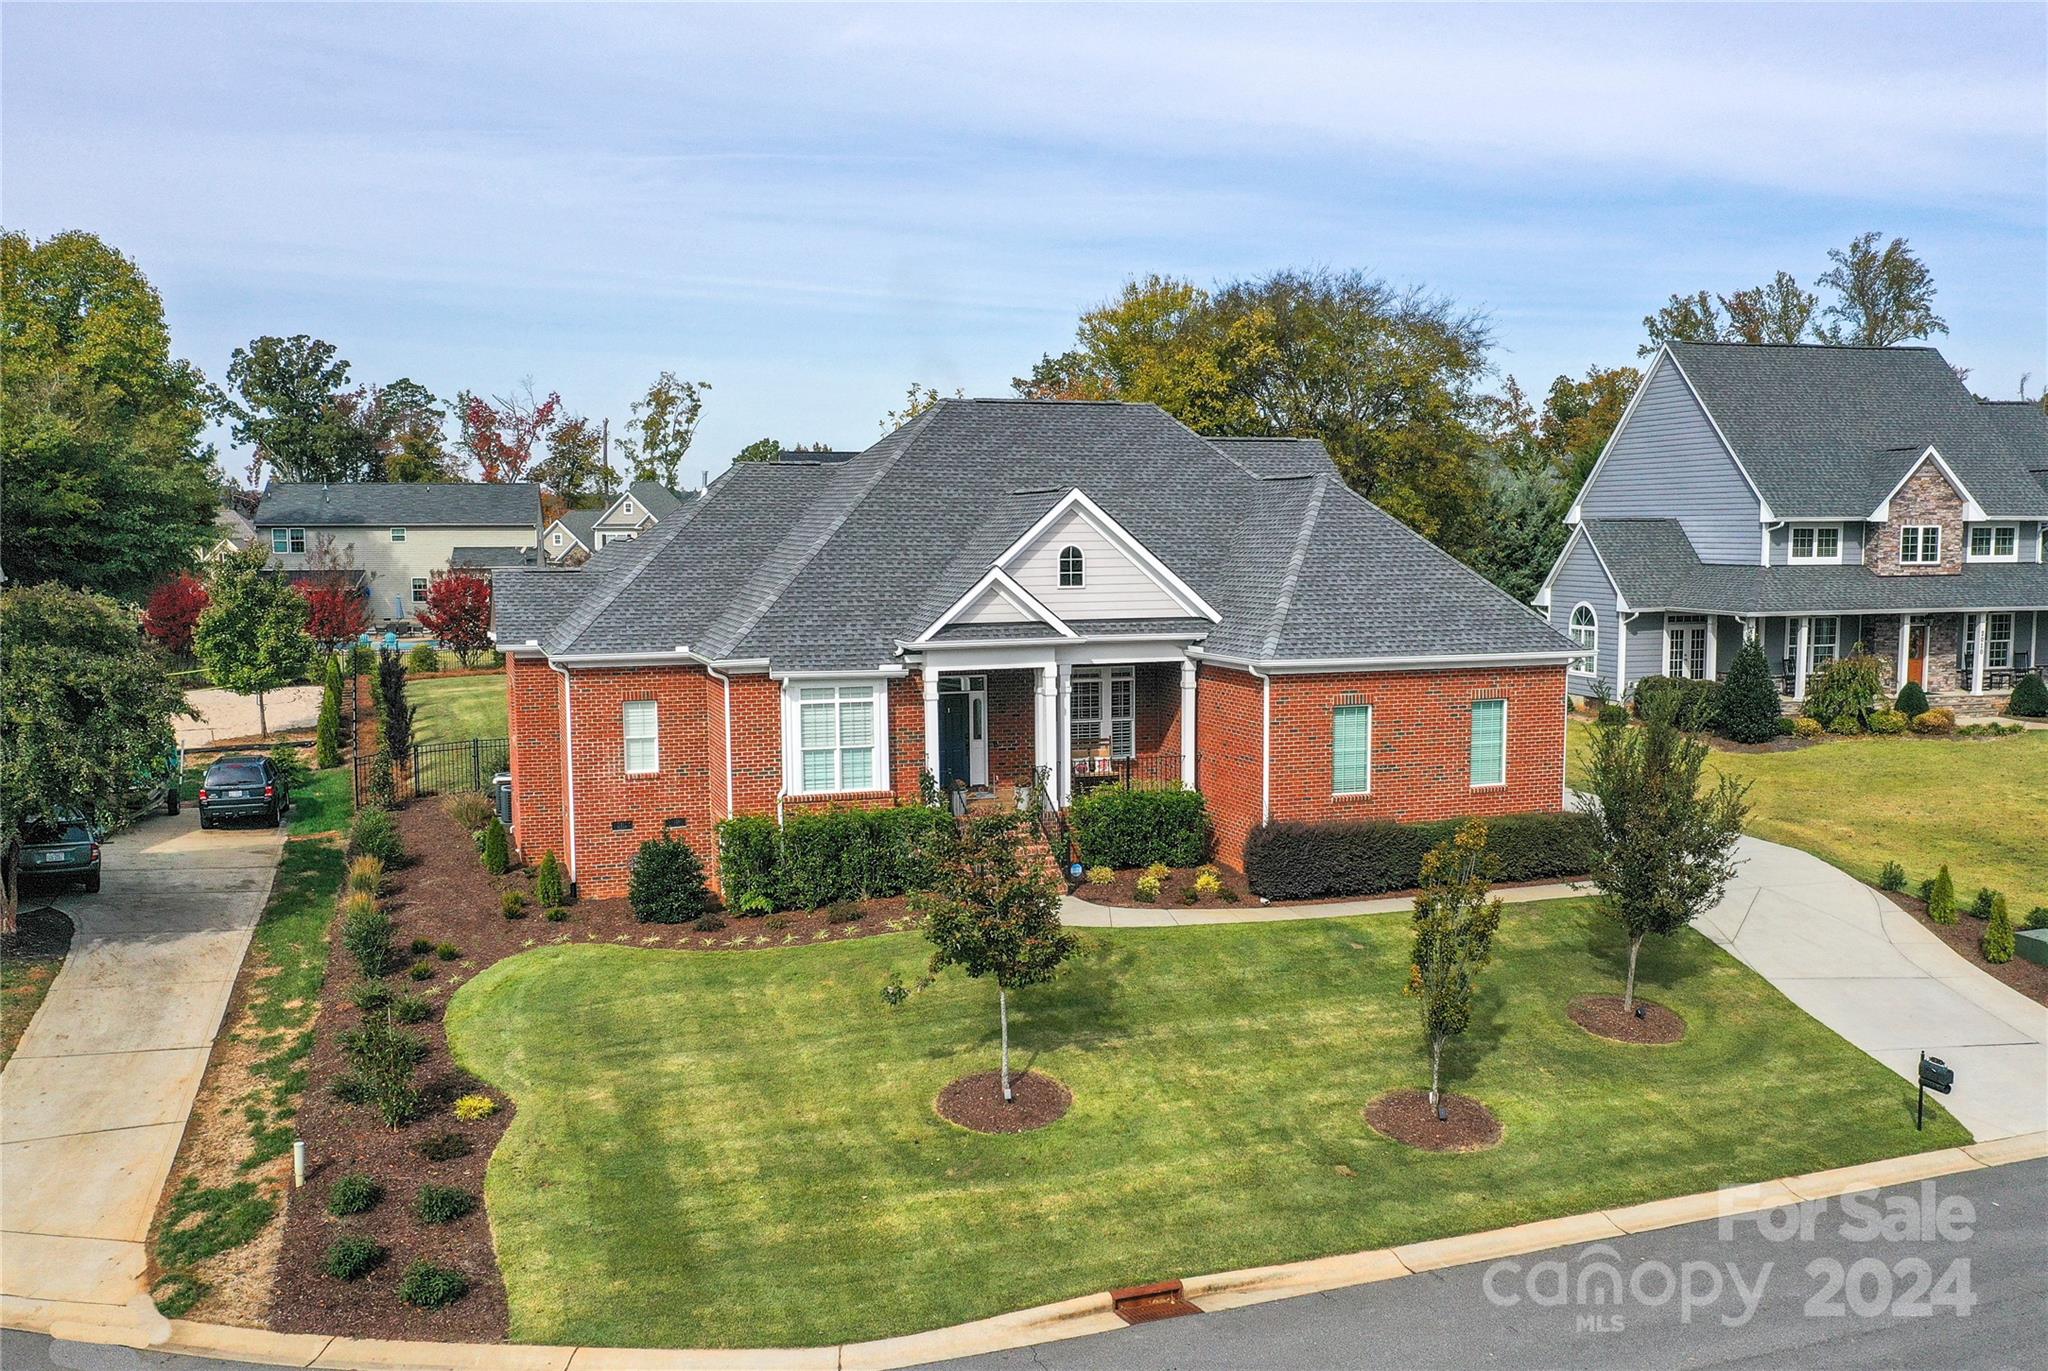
(829, 856)
(1123, 828)
(1310, 861)
(1698, 702)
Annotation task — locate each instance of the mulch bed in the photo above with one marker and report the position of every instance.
(1602, 1016)
(38, 934)
(1177, 892)
(1408, 1117)
(977, 1102)
(2024, 976)
(444, 894)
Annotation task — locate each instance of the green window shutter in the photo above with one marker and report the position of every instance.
(1489, 742)
(1350, 749)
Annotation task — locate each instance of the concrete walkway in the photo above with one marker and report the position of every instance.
(94, 1101)
(224, 714)
(1079, 913)
(1874, 974)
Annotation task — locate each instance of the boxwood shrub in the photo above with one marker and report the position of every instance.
(1698, 705)
(1120, 828)
(1313, 861)
(828, 856)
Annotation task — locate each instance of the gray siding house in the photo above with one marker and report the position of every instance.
(397, 536)
(1814, 498)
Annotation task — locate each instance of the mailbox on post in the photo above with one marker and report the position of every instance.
(1936, 1075)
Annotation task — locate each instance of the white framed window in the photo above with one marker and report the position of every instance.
(419, 590)
(555, 538)
(1994, 543)
(1998, 641)
(1103, 705)
(1073, 567)
(628, 509)
(840, 730)
(1685, 639)
(1823, 642)
(1920, 544)
(1489, 743)
(397, 535)
(1585, 631)
(642, 731)
(287, 540)
(1816, 543)
(1351, 750)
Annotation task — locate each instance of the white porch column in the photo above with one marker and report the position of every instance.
(1713, 647)
(931, 720)
(1187, 724)
(1800, 658)
(1045, 716)
(1063, 744)
(1905, 632)
(1980, 639)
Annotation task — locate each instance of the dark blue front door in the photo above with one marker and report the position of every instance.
(953, 753)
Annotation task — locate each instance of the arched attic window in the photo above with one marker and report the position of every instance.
(1585, 631)
(1072, 567)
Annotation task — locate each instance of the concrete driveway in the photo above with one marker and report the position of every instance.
(224, 714)
(94, 1101)
(1872, 973)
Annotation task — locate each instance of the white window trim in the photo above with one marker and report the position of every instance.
(1348, 794)
(1966, 657)
(1106, 720)
(555, 539)
(1792, 556)
(1920, 545)
(1080, 568)
(1970, 543)
(1814, 661)
(1589, 664)
(397, 533)
(793, 735)
(294, 542)
(420, 585)
(626, 738)
(1472, 737)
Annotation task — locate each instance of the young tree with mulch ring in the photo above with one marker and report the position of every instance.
(1668, 841)
(991, 916)
(1455, 924)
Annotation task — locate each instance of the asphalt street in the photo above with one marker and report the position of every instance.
(1946, 1273)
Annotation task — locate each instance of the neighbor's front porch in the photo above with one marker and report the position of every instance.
(1948, 653)
(1066, 725)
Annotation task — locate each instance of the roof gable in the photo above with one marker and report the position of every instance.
(1120, 577)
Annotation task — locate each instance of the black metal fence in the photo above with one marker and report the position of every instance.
(439, 768)
(1150, 771)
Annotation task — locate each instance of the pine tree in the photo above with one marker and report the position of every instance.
(1941, 901)
(1999, 942)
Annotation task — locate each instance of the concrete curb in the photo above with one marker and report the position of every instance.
(1076, 912)
(134, 1327)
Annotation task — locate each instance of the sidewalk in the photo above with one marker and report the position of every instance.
(94, 1102)
(1079, 913)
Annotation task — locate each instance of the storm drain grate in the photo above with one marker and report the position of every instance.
(1148, 1303)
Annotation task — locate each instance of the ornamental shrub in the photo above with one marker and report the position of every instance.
(351, 1258)
(1999, 942)
(421, 971)
(497, 847)
(1843, 694)
(442, 1204)
(1612, 715)
(423, 660)
(471, 1108)
(1986, 901)
(1912, 701)
(1844, 725)
(668, 883)
(411, 1009)
(470, 809)
(426, 1286)
(353, 1194)
(2037, 917)
(1804, 727)
(512, 904)
(1148, 887)
(548, 886)
(1118, 827)
(1941, 900)
(371, 997)
(1935, 721)
(1888, 722)
(1698, 701)
(1291, 860)
(1100, 875)
(362, 659)
(1893, 877)
(327, 739)
(1747, 706)
(2029, 698)
(825, 857)
(366, 876)
(746, 859)
(366, 934)
(1208, 883)
(381, 1061)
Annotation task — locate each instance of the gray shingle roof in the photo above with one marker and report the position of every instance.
(1654, 567)
(2025, 426)
(400, 504)
(829, 566)
(789, 454)
(582, 523)
(657, 499)
(1279, 456)
(481, 557)
(1827, 432)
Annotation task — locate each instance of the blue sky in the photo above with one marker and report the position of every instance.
(810, 207)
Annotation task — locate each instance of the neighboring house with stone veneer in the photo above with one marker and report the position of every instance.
(1006, 590)
(397, 536)
(1815, 497)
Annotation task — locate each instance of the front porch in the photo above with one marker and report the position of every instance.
(1004, 731)
(1950, 653)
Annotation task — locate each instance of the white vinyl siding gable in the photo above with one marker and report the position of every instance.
(1113, 586)
(993, 607)
(1581, 578)
(1667, 462)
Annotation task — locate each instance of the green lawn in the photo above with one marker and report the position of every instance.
(1977, 804)
(457, 708)
(739, 1149)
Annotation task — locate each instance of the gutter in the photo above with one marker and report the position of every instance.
(1297, 665)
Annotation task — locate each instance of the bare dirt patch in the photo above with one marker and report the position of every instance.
(1963, 937)
(1407, 1116)
(1602, 1016)
(977, 1102)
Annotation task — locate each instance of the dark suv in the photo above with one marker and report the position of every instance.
(243, 788)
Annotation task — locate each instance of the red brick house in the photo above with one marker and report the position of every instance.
(1012, 593)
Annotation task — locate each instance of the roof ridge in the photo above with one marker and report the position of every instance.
(601, 597)
(1283, 603)
(1810, 347)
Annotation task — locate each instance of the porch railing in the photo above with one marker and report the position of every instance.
(1151, 771)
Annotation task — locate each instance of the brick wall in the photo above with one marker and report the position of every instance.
(1925, 498)
(533, 713)
(1228, 764)
(1012, 727)
(1421, 743)
(1156, 728)
(617, 812)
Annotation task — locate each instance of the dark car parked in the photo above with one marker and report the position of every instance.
(61, 849)
(243, 788)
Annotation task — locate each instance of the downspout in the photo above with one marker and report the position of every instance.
(568, 764)
(1265, 745)
(725, 681)
(1768, 528)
